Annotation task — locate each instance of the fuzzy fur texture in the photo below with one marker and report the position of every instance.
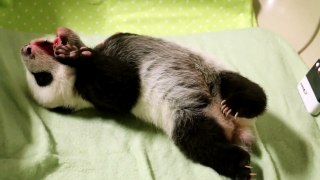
(198, 104)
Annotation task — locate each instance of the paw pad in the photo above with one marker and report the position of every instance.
(65, 51)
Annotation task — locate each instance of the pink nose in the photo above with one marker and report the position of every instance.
(26, 50)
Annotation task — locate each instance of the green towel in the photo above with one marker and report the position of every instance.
(26, 148)
(38, 144)
(156, 17)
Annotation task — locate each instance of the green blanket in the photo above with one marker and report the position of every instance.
(38, 144)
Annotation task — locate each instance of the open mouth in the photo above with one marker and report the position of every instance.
(45, 45)
(48, 47)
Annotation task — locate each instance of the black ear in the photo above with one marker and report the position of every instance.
(43, 78)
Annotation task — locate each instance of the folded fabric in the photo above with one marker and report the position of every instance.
(39, 144)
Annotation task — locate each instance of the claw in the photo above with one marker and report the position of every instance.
(225, 110)
(249, 167)
(223, 107)
(236, 115)
(228, 112)
(253, 174)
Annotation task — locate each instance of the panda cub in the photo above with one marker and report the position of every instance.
(201, 106)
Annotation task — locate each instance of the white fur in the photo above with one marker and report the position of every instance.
(60, 92)
(150, 106)
(155, 112)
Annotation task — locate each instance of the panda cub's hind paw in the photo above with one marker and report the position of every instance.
(227, 111)
(65, 51)
(85, 51)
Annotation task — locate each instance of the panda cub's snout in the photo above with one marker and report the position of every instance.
(38, 47)
(26, 50)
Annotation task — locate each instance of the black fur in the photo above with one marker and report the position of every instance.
(107, 81)
(62, 110)
(119, 92)
(242, 95)
(43, 78)
(202, 140)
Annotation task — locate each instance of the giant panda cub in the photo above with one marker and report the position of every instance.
(201, 106)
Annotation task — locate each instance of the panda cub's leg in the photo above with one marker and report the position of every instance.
(201, 139)
(241, 96)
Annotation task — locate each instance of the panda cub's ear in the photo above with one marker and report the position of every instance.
(43, 78)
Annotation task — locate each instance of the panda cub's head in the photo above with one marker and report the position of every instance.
(50, 82)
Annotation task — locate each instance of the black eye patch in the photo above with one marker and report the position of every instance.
(43, 78)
